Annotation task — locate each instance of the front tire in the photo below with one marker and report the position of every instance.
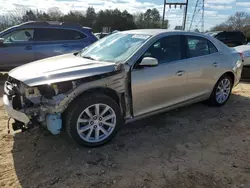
(93, 120)
(222, 91)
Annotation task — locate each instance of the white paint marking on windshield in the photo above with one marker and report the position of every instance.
(141, 36)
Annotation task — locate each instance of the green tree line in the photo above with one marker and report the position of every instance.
(114, 19)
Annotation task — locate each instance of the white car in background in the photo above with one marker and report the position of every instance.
(245, 51)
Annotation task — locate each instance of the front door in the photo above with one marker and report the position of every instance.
(154, 88)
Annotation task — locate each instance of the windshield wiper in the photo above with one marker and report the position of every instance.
(88, 57)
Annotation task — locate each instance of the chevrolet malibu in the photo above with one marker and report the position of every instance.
(119, 79)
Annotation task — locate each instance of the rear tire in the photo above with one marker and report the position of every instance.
(222, 91)
(92, 120)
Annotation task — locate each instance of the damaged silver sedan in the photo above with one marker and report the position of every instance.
(120, 78)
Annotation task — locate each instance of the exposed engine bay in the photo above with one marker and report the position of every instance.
(44, 104)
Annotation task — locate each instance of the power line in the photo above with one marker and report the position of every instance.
(193, 14)
(175, 5)
(199, 11)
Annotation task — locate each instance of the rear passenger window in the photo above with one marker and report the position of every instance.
(49, 34)
(197, 46)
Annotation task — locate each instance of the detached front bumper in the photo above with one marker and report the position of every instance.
(17, 115)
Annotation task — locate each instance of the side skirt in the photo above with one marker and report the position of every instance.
(182, 104)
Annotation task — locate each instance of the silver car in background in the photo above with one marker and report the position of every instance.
(121, 78)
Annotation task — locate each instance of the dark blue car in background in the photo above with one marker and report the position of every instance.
(32, 41)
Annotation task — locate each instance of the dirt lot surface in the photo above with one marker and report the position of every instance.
(192, 147)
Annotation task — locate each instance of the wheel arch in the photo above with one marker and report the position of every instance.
(119, 98)
(103, 90)
(230, 74)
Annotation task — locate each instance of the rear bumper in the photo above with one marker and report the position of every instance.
(17, 115)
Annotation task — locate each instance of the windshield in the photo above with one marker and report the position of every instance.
(114, 48)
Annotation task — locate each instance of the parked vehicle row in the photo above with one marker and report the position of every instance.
(238, 42)
(32, 41)
(230, 38)
(121, 78)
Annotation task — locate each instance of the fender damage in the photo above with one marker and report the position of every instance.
(44, 96)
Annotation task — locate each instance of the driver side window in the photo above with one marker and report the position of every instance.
(166, 49)
(19, 36)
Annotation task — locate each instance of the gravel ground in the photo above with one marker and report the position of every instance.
(192, 147)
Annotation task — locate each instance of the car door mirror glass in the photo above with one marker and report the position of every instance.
(149, 62)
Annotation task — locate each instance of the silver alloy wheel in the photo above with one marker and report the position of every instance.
(96, 123)
(223, 90)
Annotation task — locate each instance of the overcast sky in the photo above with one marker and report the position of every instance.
(216, 11)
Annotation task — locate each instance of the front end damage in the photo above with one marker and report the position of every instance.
(45, 104)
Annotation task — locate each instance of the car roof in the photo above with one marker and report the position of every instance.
(49, 24)
(225, 32)
(154, 32)
(147, 31)
(157, 32)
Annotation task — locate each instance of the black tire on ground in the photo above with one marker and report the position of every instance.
(78, 106)
(212, 100)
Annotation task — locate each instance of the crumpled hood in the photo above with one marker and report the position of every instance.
(60, 68)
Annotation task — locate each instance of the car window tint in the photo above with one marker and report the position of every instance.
(73, 35)
(240, 35)
(212, 48)
(233, 35)
(19, 36)
(197, 46)
(47, 34)
(221, 36)
(165, 50)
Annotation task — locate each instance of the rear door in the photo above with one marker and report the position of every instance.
(51, 42)
(18, 48)
(203, 62)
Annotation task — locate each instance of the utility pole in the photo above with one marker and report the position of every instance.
(175, 5)
(196, 5)
(185, 16)
(164, 9)
(199, 7)
(203, 11)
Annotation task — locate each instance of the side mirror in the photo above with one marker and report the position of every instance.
(1, 41)
(149, 62)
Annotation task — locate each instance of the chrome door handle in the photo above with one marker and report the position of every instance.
(215, 64)
(180, 73)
